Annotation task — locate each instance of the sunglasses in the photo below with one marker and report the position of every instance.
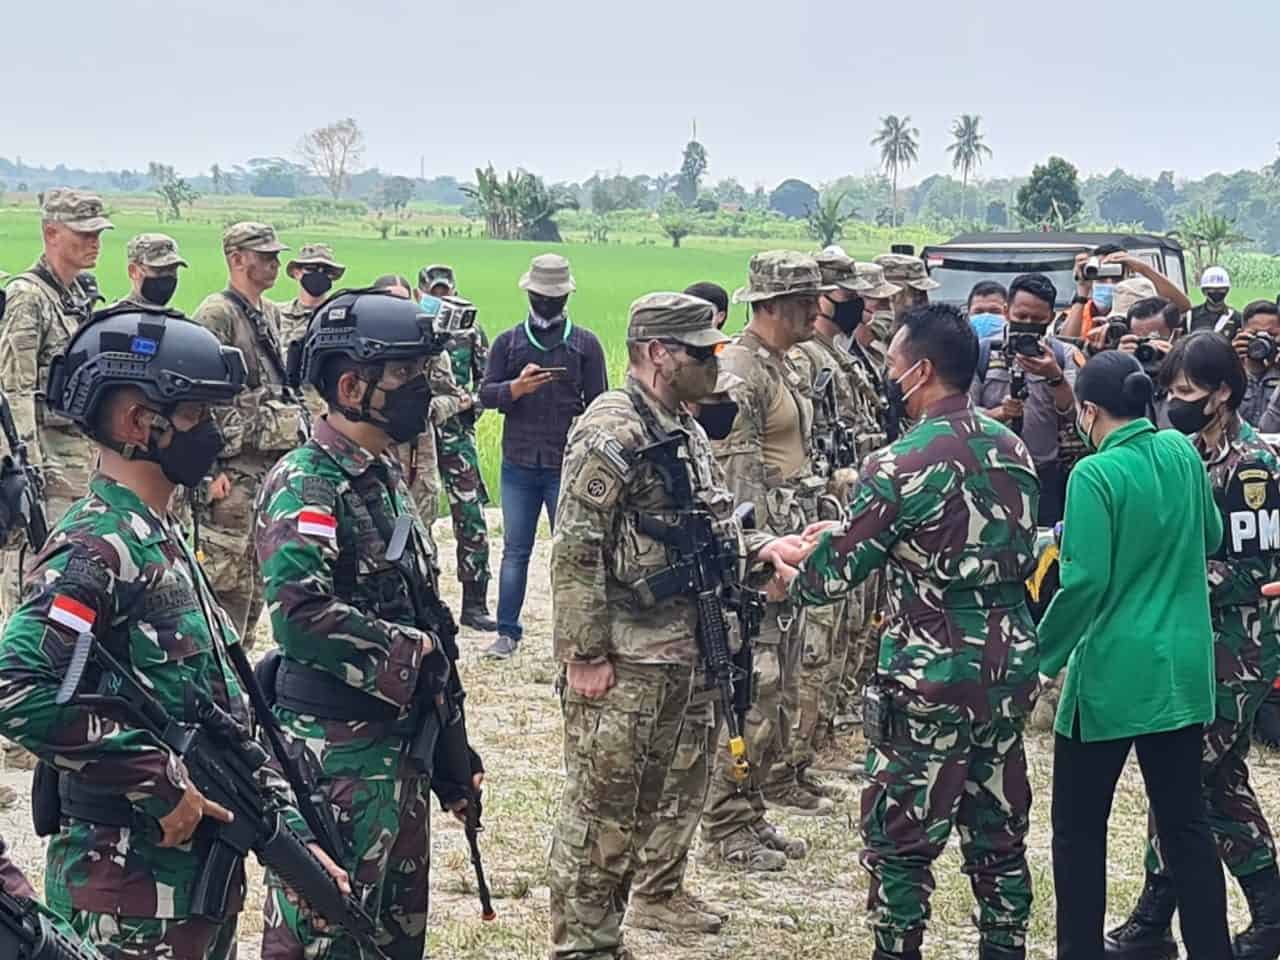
(700, 354)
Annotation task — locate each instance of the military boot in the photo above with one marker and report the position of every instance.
(674, 914)
(1148, 933)
(744, 851)
(815, 786)
(790, 796)
(1261, 941)
(712, 907)
(475, 608)
(792, 847)
(998, 951)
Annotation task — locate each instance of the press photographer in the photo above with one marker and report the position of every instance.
(1100, 277)
(1024, 380)
(1258, 347)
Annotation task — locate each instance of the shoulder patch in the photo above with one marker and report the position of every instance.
(83, 570)
(313, 522)
(319, 491)
(603, 474)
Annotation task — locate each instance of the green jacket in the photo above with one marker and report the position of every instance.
(1131, 619)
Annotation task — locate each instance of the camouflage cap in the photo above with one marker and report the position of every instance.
(80, 211)
(674, 316)
(247, 235)
(906, 270)
(317, 255)
(435, 275)
(878, 288)
(1128, 292)
(156, 250)
(839, 270)
(549, 276)
(781, 273)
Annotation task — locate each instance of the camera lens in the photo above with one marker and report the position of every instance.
(1261, 348)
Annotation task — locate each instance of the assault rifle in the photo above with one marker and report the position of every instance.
(706, 567)
(222, 760)
(835, 442)
(27, 934)
(21, 486)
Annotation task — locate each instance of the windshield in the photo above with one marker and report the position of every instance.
(959, 270)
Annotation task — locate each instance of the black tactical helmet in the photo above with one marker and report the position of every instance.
(368, 326)
(168, 357)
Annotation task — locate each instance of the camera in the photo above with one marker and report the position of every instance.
(456, 315)
(1117, 330)
(1095, 269)
(1024, 339)
(1262, 348)
(1147, 354)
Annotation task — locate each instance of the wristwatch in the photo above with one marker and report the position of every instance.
(1055, 382)
(1079, 301)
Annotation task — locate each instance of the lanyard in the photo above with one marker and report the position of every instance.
(528, 332)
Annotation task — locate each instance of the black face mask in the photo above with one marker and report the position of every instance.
(158, 290)
(191, 454)
(406, 408)
(547, 308)
(1215, 297)
(848, 314)
(1189, 416)
(316, 282)
(717, 418)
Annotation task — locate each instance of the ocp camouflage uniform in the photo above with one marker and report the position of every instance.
(266, 421)
(341, 615)
(618, 748)
(949, 510)
(111, 562)
(39, 318)
(460, 463)
(1246, 634)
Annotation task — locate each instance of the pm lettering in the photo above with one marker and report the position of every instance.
(1262, 526)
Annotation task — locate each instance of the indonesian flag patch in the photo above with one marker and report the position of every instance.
(315, 523)
(72, 614)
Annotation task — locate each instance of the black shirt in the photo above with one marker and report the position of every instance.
(1202, 318)
(537, 424)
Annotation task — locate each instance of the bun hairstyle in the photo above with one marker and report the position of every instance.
(1115, 382)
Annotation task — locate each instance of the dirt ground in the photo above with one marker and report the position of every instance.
(813, 910)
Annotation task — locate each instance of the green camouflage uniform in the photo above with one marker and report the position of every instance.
(618, 748)
(15, 884)
(312, 519)
(950, 511)
(129, 574)
(1246, 634)
(265, 421)
(460, 463)
(39, 319)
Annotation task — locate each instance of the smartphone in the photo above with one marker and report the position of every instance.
(557, 373)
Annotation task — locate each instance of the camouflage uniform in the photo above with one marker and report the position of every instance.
(15, 884)
(39, 319)
(265, 422)
(619, 747)
(313, 523)
(295, 315)
(111, 560)
(468, 351)
(950, 510)
(1246, 632)
(911, 277)
(766, 460)
(419, 458)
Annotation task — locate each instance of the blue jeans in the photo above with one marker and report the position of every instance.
(525, 491)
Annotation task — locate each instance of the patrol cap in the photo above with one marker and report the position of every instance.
(906, 270)
(434, 275)
(255, 237)
(317, 255)
(674, 316)
(781, 273)
(839, 270)
(548, 275)
(77, 209)
(159, 351)
(156, 250)
(1215, 277)
(878, 288)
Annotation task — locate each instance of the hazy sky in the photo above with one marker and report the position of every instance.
(782, 88)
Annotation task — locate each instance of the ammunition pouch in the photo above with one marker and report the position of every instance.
(278, 424)
(46, 805)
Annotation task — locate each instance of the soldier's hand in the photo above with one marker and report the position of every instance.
(340, 877)
(591, 680)
(180, 823)
(459, 807)
(791, 549)
(532, 378)
(814, 531)
(465, 403)
(220, 487)
(1271, 589)
(1010, 409)
(780, 582)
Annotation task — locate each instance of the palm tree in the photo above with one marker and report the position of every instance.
(899, 148)
(967, 150)
(1207, 233)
